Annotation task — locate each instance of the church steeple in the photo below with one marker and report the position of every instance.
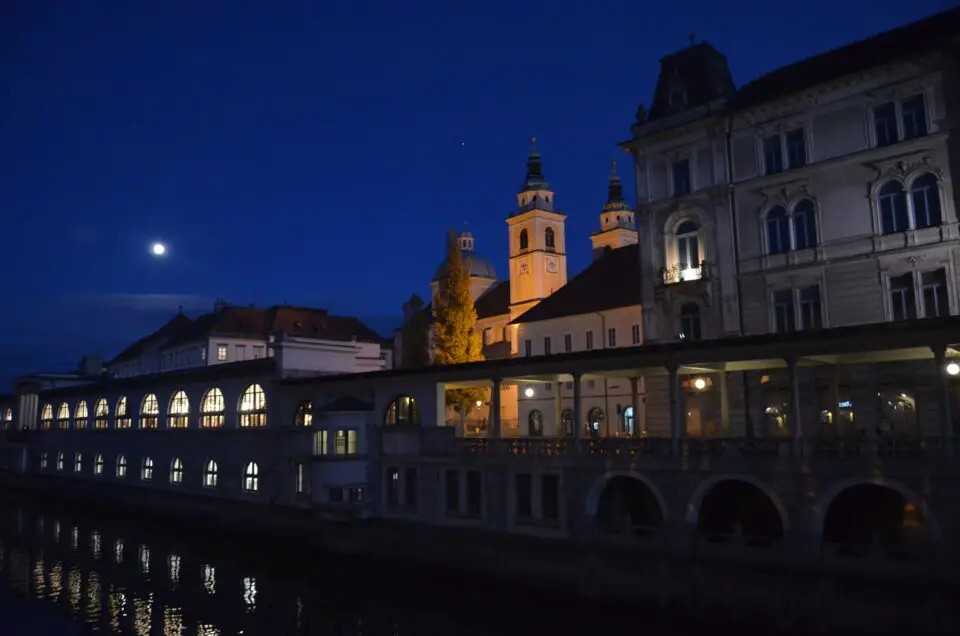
(617, 222)
(535, 179)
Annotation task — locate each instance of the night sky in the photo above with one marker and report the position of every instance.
(315, 152)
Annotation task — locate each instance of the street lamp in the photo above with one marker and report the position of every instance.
(699, 384)
(528, 392)
(953, 368)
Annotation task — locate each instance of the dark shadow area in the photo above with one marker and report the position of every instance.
(627, 506)
(870, 518)
(735, 509)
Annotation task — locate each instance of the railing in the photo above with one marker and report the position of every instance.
(683, 273)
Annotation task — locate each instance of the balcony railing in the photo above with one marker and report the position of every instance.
(684, 273)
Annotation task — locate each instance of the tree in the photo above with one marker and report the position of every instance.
(415, 335)
(455, 336)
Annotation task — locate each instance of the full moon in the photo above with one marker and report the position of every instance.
(158, 249)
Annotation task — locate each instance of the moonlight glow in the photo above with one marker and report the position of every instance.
(158, 249)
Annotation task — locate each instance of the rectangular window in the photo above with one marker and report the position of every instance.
(410, 489)
(303, 484)
(885, 124)
(523, 489)
(783, 311)
(934, 287)
(528, 348)
(913, 110)
(203, 353)
(393, 486)
(546, 345)
(258, 352)
(635, 334)
(589, 341)
(474, 493)
(452, 491)
(221, 353)
(773, 154)
(550, 497)
(320, 443)
(796, 149)
(810, 315)
(345, 443)
(612, 337)
(681, 177)
(567, 342)
(903, 304)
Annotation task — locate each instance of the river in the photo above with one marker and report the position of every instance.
(65, 570)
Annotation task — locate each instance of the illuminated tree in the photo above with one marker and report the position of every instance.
(455, 336)
(415, 335)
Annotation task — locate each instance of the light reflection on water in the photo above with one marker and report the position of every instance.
(119, 580)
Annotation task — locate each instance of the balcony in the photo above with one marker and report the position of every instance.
(684, 274)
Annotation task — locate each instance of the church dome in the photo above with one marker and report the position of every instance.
(479, 266)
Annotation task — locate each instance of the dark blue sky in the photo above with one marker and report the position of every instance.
(314, 152)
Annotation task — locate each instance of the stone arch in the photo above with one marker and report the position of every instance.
(742, 485)
(596, 491)
(828, 498)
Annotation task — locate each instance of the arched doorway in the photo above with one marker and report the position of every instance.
(629, 421)
(595, 421)
(566, 422)
(737, 510)
(628, 507)
(876, 519)
(535, 423)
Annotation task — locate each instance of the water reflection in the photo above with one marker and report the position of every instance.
(123, 579)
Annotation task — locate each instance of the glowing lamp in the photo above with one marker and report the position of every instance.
(700, 384)
(953, 368)
(528, 392)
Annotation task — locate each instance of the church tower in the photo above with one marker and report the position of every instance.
(538, 254)
(618, 227)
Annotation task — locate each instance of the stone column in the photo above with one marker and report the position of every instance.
(943, 397)
(577, 408)
(493, 430)
(558, 410)
(676, 408)
(795, 421)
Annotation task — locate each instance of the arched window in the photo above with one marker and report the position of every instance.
(304, 414)
(60, 461)
(123, 413)
(690, 322)
(7, 419)
(176, 471)
(403, 411)
(549, 239)
(63, 415)
(98, 464)
(893, 208)
(146, 470)
(566, 422)
(101, 414)
(212, 409)
(78, 463)
(210, 472)
(629, 422)
(688, 246)
(524, 240)
(925, 197)
(121, 467)
(81, 415)
(178, 413)
(149, 412)
(595, 418)
(251, 477)
(778, 231)
(253, 407)
(535, 421)
(46, 416)
(804, 225)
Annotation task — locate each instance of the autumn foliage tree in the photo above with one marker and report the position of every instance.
(455, 337)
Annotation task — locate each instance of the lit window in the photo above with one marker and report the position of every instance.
(98, 464)
(7, 419)
(63, 416)
(43, 460)
(123, 415)
(178, 414)
(303, 482)
(101, 414)
(345, 443)
(149, 412)
(222, 353)
(304, 414)
(46, 416)
(251, 477)
(78, 463)
(212, 409)
(253, 407)
(176, 471)
(403, 411)
(121, 467)
(60, 461)
(146, 471)
(81, 415)
(210, 471)
(320, 443)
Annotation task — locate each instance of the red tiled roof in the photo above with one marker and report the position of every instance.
(611, 281)
(891, 46)
(173, 327)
